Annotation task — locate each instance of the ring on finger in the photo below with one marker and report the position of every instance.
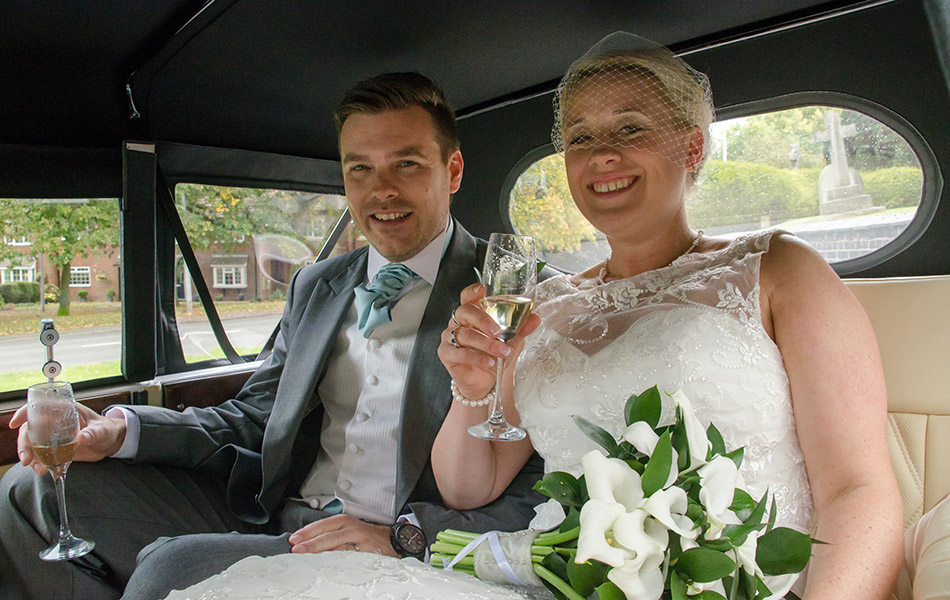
(356, 547)
(454, 319)
(454, 340)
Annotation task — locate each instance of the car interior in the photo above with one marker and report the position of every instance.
(147, 104)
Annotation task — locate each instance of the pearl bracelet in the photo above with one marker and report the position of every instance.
(458, 397)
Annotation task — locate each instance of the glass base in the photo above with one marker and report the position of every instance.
(500, 431)
(67, 548)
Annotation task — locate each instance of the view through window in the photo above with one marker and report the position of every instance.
(249, 244)
(839, 179)
(59, 260)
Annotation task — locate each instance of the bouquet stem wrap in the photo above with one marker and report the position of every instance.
(500, 557)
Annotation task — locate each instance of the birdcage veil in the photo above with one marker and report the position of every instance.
(628, 91)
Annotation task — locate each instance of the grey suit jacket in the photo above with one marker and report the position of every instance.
(265, 440)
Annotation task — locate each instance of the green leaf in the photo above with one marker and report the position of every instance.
(716, 441)
(572, 520)
(742, 504)
(704, 565)
(658, 469)
(563, 487)
(636, 465)
(736, 456)
(586, 576)
(723, 544)
(609, 591)
(708, 595)
(773, 512)
(645, 407)
(598, 434)
(541, 264)
(783, 551)
(681, 442)
(738, 533)
(556, 564)
(677, 587)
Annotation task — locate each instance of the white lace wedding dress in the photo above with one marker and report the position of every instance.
(694, 325)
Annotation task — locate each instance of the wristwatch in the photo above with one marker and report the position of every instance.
(408, 540)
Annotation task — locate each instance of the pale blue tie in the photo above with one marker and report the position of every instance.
(374, 302)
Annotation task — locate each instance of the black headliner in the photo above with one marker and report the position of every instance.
(266, 74)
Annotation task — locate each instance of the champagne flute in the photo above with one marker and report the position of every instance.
(53, 424)
(509, 275)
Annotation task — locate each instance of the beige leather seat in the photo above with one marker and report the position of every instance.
(911, 317)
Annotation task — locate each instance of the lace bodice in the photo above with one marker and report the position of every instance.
(696, 326)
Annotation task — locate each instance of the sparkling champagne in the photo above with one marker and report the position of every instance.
(509, 311)
(55, 456)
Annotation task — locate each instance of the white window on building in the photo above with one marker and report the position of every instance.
(8, 275)
(80, 276)
(16, 241)
(230, 271)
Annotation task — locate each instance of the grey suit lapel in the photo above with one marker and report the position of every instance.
(427, 399)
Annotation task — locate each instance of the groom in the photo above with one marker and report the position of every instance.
(327, 445)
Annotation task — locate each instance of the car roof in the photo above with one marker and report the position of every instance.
(265, 75)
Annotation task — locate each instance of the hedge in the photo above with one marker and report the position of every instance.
(894, 187)
(20, 292)
(731, 193)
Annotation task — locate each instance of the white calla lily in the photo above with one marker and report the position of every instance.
(642, 437)
(718, 479)
(597, 521)
(611, 480)
(645, 583)
(745, 554)
(642, 535)
(779, 585)
(669, 508)
(695, 432)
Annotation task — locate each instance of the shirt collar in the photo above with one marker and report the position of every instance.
(425, 264)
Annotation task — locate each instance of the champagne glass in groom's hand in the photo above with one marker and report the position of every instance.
(510, 275)
(53, 425)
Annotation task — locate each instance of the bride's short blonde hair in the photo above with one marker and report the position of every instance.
(683, 91)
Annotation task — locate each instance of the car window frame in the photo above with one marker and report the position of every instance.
(932, 177)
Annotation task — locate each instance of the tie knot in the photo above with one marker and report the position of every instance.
(373, 301)
(391, 279)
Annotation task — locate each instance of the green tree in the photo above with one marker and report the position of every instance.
(226, 216)
(61, 230)
(771, 137)
(541, 205)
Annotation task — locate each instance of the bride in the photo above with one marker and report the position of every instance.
(758, 332)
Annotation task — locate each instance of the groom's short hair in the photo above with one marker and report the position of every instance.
(399, 91)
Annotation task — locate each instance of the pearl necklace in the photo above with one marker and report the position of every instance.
(602, 274)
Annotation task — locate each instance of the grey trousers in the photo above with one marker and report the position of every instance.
(137, 515)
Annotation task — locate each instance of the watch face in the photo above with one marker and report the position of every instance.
(411, 538)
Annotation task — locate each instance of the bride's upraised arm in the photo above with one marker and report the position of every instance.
(471, 472)
(840, 403)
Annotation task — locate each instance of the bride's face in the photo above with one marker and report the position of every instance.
(627, 160)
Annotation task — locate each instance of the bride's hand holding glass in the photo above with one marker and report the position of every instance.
(470, 349)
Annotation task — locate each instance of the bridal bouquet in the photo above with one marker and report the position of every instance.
(661, 515)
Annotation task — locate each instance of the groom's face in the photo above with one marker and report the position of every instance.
(397, 183)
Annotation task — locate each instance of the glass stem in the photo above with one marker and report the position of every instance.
(497, 412)
(59, 482)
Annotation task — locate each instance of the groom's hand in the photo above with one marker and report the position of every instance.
(342, 532)
(98, 437)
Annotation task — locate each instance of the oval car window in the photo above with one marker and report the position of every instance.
(839, 179)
